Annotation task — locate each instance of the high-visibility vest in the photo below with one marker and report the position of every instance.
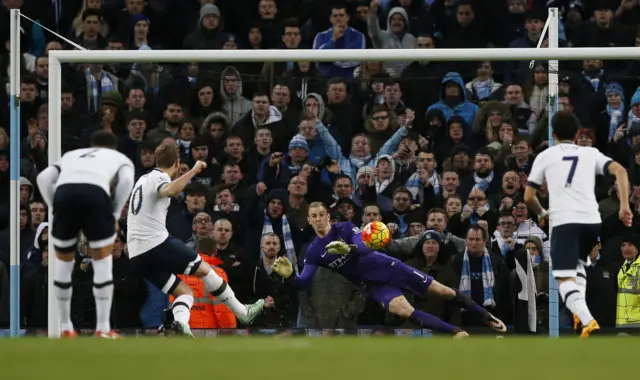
(628, 309)
(207, 312)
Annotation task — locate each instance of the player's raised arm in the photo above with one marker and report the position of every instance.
(175, 187)
(46, 181)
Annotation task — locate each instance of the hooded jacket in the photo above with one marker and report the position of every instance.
(385, 39)
(463, 108)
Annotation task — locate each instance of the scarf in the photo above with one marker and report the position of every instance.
(106, 85)
(414, 185)
(288, 238)
(504, 248)
(595, 81)
(236, 208)
(631, 118)
(359, 162)
(483, 183)
(615, 117)
(483, 88)
(488, 280)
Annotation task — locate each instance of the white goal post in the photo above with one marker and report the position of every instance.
(552, 54)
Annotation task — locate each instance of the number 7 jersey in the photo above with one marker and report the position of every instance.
(570, 171)
(146, 221)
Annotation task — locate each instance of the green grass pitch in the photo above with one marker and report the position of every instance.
(323, 358)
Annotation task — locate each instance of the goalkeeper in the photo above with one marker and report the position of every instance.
(339, 247)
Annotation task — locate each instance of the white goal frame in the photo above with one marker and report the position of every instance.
(552, 54)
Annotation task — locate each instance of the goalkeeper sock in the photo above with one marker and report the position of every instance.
(103, 292)
(63, 291)
(181, 308)
(215, 285)
(465, 302)
(574, 300)
(432, 322)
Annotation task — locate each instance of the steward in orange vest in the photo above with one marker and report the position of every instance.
(207, 312)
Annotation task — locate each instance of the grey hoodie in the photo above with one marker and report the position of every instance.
(385, 39)
(236, 106)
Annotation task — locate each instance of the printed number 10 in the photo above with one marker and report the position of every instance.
(572, 171)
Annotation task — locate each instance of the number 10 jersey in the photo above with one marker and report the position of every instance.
(146, 221)
(570, 171)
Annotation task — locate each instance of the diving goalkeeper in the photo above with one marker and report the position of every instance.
(339, 247)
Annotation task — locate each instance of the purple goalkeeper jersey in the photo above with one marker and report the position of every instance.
(365, 266)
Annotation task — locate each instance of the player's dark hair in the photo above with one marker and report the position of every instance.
(476, 227)
(104, 139)
(565, 125)
(166, 155)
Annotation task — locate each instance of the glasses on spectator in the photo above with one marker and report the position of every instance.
(202, 220)
(378, 118)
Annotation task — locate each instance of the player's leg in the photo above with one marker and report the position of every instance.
(64, 235)
(420, 283)
(462, 300)
(99, 226)
(180, 310)
(392, 299)
(565, 256)
(215, 285)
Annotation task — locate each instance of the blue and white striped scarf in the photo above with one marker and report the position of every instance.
(488, 279)
(106, 86)
(288, 238)
(482, 183)
(614, 122)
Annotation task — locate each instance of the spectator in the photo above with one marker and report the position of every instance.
(339, 36)
(419, 145)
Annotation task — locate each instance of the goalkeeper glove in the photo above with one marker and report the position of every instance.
(338, 248)
(283, 267)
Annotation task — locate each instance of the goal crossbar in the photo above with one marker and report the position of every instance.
(552, 54)
(332, 55)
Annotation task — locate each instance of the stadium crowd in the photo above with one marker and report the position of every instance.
(439, 151)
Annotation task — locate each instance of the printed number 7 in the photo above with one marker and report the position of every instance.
(572, 171)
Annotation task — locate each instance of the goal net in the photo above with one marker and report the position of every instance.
(404, 147)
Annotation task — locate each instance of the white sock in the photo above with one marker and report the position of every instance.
(215, 285)
(103, 292)
(64, 290)
(574, 299)
(181, 308)
(581, 279)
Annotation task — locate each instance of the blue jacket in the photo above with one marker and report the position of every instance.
(352, 39)
(465, 109)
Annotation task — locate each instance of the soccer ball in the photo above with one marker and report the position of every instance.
(376, 235)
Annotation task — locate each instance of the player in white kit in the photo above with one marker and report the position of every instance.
(87, 189)
(570, 172)
(158, 257)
